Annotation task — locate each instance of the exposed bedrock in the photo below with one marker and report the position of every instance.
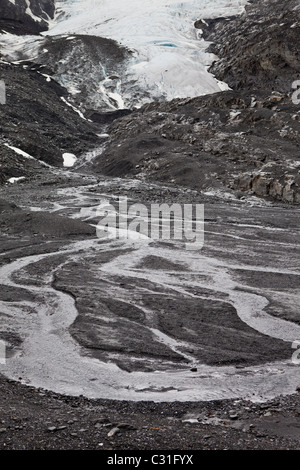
(26, 17)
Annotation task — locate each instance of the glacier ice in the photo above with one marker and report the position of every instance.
(169, 55)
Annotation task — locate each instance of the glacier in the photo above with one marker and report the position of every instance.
(169, 54)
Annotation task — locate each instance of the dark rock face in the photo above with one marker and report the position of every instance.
(91, 65)
(24, 17)
(107, 117)
(258, 49)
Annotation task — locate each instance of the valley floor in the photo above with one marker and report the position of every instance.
(265, 414)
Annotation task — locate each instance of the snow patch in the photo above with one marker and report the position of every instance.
(73, 107)
(14, 180)
(69, 159)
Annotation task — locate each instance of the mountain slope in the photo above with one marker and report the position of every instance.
(259, 49)
(246, 140)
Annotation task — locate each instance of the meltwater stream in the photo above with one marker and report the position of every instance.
(49, 356)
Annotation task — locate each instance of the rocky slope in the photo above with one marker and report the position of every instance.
(246, 139)
(259, 49)
(37, 120)
(95, 82)
(230, 141)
